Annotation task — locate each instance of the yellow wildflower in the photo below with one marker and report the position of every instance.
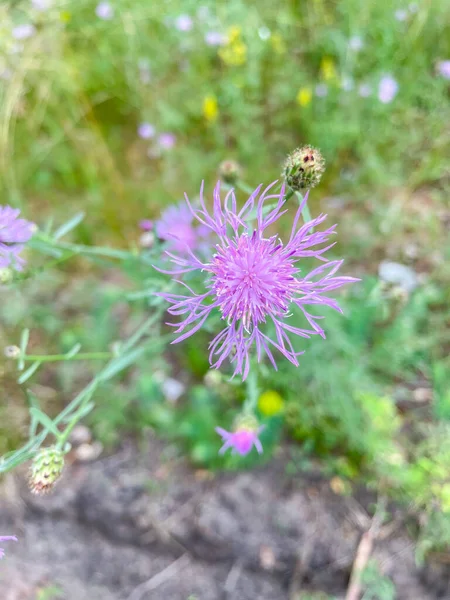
(328, 69)
(270, 403)
(304, 96)
(210, 108)
(65, 16)
(234, 53)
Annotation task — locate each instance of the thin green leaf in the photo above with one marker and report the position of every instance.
(67, 227)
(24, 338)
(45, 421)
(29, 372)
(73, 351)
(121, 363)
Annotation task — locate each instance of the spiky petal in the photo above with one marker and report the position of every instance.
(14, 233)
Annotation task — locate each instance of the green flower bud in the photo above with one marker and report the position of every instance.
(303, 168)
(46, 469)
(230, 171)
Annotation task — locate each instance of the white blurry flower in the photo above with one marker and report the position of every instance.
(321, 90)
(215, 38)
(443, 68)
(401, 14)
(172, 389)
(355, 43)
(184, 23)
(104, 11)
(264, 33)
(347, 83)
(398, 274)
(23, 32)
(41, 4)
(387, 89)
(364, 90)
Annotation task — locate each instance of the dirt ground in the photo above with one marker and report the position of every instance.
(139, 525)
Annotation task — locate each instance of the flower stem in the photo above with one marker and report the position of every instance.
(62, 357)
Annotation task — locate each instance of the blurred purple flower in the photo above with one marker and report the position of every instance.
(321, 90)
(253, 280)
(184, 23)
(177, 228)
(387, 89)
(41, 4)
(23, 32)
(6, 538)
(146, 131)
(167, 140)
(401, 14)
(364, 90)
(215, 38)
(355, 43)
(146, 225)
(347, 83)
(14, 233)
(241, 440)
(443, 68)
(104, 11)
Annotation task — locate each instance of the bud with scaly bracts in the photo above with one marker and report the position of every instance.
(46, 469)
(303, 168)
(230, 171)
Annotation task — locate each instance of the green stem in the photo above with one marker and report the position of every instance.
(252, 389)
(62, 357)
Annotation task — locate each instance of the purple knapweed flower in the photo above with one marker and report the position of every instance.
(146, 224)
(176, 226)
(243, 437)
(6, 538)
(254, 281)
(23, 32)
(14, 233)
(387, 90)
(146, 131)
(215, 38)
(184, 23)
(443, 68)
(167, 140)
(104, 11)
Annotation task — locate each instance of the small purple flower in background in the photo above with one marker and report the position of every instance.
(146, 131)
(321, 90)
(41, 4)
(104, 11)
(387, 90)
(355, 43)
(167, 140)
(364, 90)
(243, 437)
(6, 538)
(184, 23)
(14, 233)
(215, 38)
(146, 225)
(23, 32)
(177, 228)
(401, 14)
(443, 68)
(253, 280)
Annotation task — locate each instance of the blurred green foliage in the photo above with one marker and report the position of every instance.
(72, 97)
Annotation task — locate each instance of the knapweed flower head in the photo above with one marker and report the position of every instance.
(167, 140)
(253, 280)
(46, 469)
(6, 538)
(230, 171)
(184, 23)
(14, 233)
(176, 227)
(304, 168)
(243, 437)
(146, 131)
(387, 90)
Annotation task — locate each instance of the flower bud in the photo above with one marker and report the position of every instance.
(46, 469)
(230, 171)
(6, 275)
(303, 168)
(12, 352)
